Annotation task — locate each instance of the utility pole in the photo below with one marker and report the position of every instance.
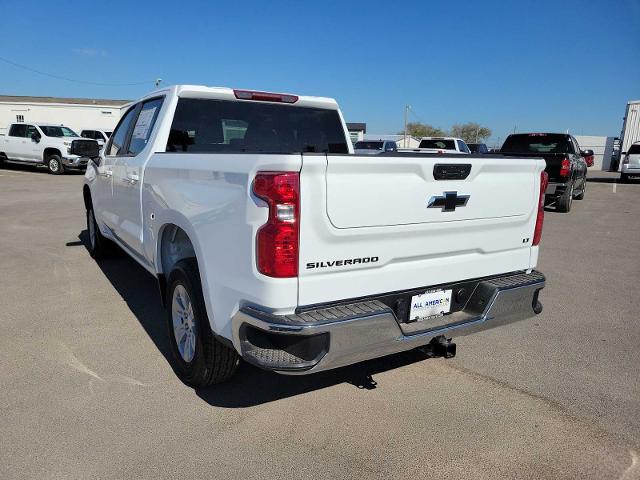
(477, 130)
(406, 114)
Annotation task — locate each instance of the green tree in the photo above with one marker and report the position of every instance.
(417, 129)
(471, 132)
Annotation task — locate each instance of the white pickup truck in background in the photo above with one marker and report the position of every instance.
(56, 146)
(100, 136)
(452, 145)
(272, 241)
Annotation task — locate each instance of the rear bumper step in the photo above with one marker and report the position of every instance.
(335, 336)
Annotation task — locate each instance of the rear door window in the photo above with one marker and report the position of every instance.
(210, 126)
(144, 125)
(18, 130)
(31, 130)
(463, 147)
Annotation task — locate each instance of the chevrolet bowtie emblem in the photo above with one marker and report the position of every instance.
(448, 201)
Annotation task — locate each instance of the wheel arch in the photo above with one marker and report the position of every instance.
(50, 151)
(174, 243)
(86, 196)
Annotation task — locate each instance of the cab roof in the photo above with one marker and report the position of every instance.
(244, 95)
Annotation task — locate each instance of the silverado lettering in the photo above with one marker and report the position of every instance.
(340, 263)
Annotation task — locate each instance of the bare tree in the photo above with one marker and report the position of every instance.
(417, 129)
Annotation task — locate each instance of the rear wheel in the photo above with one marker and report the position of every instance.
(198, 358)
(563, 204)
(54, 164)
(98, 245)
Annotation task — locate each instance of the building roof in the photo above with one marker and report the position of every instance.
(63, 100)
(357, 127)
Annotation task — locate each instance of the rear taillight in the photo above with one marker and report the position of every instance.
(277, 240)
(626, 160)
(265, 96)
(537, 233)
(565, 167)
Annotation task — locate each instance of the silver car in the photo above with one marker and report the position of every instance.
(631, 163)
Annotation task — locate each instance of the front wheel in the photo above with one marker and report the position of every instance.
(54, 164)
(198, 358)
(624, 178)
(565, 200)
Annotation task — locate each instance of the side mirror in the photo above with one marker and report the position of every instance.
(587, 153)
(35, 136)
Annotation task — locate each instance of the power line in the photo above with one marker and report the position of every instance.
(24, 67)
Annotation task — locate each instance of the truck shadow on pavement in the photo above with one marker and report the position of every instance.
(250, 386)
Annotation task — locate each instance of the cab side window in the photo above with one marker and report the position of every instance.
(119, 137)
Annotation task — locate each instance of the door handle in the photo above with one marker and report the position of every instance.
(133, 178)
(106, 173)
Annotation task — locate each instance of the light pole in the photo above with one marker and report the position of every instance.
(406, 114)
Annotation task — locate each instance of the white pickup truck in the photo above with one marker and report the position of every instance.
(452, 145)
(271, 241)
(56, 146)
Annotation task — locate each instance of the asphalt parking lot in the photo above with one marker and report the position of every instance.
(87, 392)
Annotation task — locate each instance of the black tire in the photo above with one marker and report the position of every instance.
(580, 196)
(563, 204)
(98, 245)
(54, 164)
(624, 178)
(210, 361)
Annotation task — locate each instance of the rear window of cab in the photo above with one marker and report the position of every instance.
(216, 126)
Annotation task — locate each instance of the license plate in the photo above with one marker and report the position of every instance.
(431, 304)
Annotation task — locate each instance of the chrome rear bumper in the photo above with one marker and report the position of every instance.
(333, 337)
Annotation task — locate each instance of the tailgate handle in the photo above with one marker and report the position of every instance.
(451, 171)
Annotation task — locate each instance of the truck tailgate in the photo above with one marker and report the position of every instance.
(376, 224)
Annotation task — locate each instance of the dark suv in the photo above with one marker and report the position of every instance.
(478, 147)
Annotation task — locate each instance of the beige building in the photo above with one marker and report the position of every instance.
(76, 113)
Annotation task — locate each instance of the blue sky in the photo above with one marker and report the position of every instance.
(541, 66)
